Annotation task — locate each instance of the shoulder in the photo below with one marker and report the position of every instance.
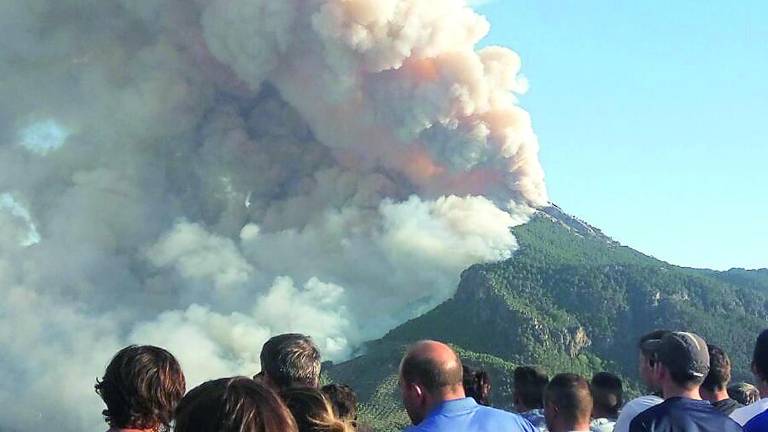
(744, 414)
(496, 412)
(641, 404)
(757, 423)
(505, 417)
(636, 406)
(638, 412)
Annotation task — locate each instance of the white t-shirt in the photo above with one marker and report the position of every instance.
(744, 414)
(602, 425)
(632, 409)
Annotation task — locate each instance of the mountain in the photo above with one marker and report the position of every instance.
(571, 299)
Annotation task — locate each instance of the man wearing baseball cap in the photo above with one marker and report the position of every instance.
(682, 363)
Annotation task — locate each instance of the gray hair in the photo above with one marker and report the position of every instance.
(291, 360)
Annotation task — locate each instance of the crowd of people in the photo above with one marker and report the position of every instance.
(144, 390)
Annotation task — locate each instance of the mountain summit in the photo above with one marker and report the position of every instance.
(571, 299)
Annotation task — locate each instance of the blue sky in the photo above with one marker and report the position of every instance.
(652, 119)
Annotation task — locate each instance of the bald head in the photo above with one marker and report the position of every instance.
(433, 365)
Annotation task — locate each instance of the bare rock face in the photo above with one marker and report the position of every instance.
(511, 321)
(576, 340)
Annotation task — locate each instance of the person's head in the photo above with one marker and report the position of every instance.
(682, 361)
(760, 360)
(647, 357)
(567, 403)
(430, 373)
(236, 404)
(141, 387)
(290, 360)
(714, 386)
(607, 394)
(313, 411)
(343, 400)
(528, 388)
(477, 385)
(743, 393)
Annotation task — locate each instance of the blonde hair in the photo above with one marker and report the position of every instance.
(313, 411)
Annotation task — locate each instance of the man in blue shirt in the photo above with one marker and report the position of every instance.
(682, 363)
(433, 395)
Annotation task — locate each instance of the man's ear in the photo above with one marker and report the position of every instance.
(552, 409)
(417, 390)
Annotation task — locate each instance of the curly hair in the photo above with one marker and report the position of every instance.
(141, 387)
(236, 404)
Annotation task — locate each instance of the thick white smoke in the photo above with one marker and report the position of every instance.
(203, 174)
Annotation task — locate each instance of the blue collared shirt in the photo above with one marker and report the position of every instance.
(462, 415)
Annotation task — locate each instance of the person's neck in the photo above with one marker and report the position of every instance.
(672, 390)
(116, 429)
(581, 426)
(719, 395)
(445, 395)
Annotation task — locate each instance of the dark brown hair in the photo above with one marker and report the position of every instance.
(477, 385)
(760, 356)
(141, 387)
(719, 369)
(529, 385)
(236, 404)
(570, 394)
(313, 411)
(343, 400)
(608, 393)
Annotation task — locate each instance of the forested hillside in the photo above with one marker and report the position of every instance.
(571, 299)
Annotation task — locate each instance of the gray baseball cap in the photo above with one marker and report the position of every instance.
(681, 352)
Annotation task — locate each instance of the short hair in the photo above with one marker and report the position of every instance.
(477, 385)
(529, 385)
(235, 404)
(343, 400)
(313, 411)
(719, 369)
(291, 359)
(141, 387)
(607, 392)
(744, 393)
(431, 374)
(570, 394)
(760, 356)
(654, 335)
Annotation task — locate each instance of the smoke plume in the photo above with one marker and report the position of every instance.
(203, 174)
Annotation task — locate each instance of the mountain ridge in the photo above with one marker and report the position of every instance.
(570, 299)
